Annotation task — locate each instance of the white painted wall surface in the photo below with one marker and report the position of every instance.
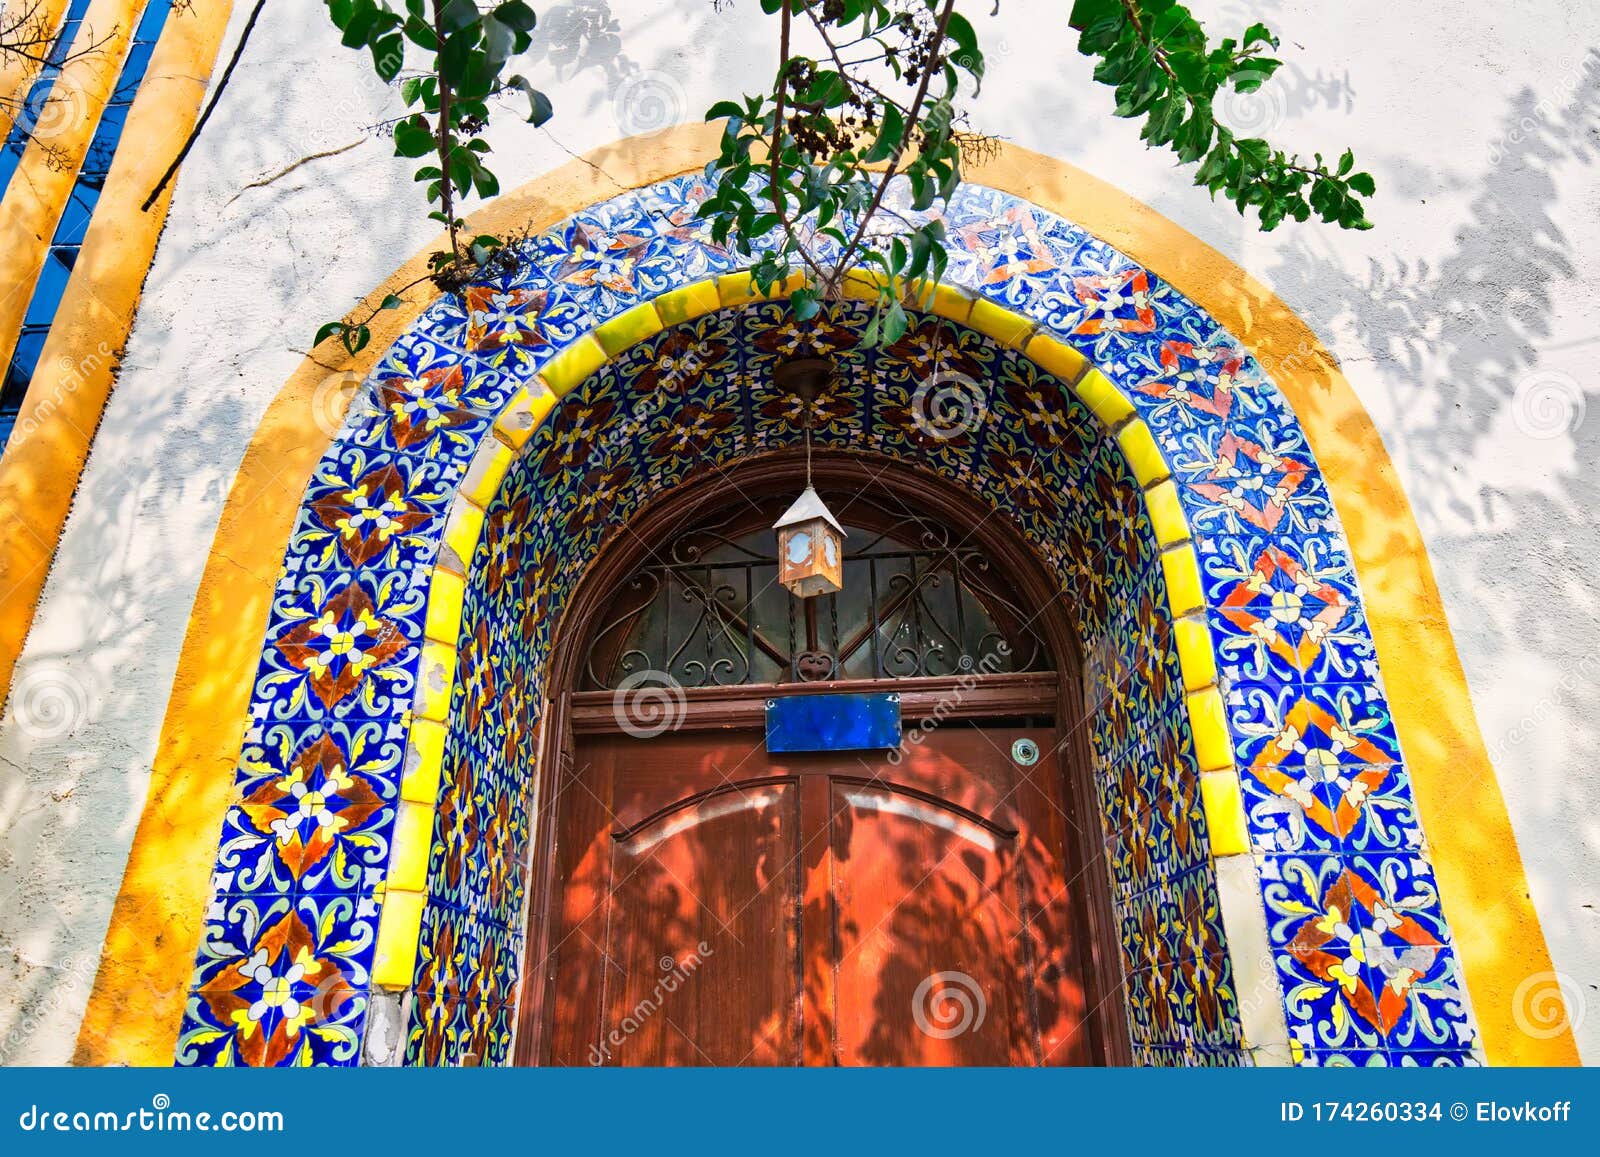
(1465, 321)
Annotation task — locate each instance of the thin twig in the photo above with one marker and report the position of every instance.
(912, 121)
(194, 133)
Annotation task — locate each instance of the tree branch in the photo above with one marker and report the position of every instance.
(194, 133)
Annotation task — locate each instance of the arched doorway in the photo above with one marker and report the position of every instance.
(701, 899)
(1169, 488)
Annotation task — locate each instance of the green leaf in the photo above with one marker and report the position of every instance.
(413, 137)
(539, 107)
(457, 15)
(968, 56)
(891, 131)
(388, 56)
(517, 14)
(332, 329)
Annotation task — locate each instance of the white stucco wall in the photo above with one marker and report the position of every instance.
(1464, 321)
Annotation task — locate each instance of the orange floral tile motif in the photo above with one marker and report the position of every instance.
(1252, 482)
(278, 995)
(310, 808)
(1115, 303)
(346, 640)
(420, 406)
(1006, 246)
(1349, 938)
(368, 516)
(1310, 736)
(1200, 378)
(1290, 611)
(497, 318)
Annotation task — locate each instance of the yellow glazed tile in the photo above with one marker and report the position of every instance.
(395, 957)
(628, 328)
(1166, 513)
(1219, 794)
(950, 302)
(1007, 328)
(563, 372)
(740, 288)
(1195, 655)
(412, 840)
(736, 288)
(487, 471)
(445, 595)
(1055, 357)
(688, 303)
(1143, 455)
(862, 284)
(1104, 399)
(461, 531)
(1181, 568)
(1209, 722)
(424, 761)
(523, 413)
(436, 674)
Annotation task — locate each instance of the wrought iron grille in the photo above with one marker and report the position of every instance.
(708, 611)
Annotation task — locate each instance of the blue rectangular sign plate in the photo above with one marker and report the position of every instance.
(833, 722)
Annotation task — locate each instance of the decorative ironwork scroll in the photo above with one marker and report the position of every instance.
(707, 610)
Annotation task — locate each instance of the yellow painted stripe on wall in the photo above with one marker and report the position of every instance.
(41, 465)
(156, 925)
(49, 167)
(31, 487)
(17, 73)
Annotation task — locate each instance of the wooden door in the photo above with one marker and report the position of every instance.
(713, 904)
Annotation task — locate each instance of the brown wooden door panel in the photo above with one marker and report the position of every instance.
(708, 891)
(926, 907)
(838, 909)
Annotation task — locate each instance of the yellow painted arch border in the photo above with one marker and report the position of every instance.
(156, 921)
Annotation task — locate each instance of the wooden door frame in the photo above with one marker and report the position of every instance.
(569, 712)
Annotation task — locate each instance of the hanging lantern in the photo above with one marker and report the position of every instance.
(810, 539)
(810, 548)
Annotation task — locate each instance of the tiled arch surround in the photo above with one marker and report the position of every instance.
(1284, 768)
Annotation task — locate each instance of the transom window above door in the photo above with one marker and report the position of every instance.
(706, 608)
